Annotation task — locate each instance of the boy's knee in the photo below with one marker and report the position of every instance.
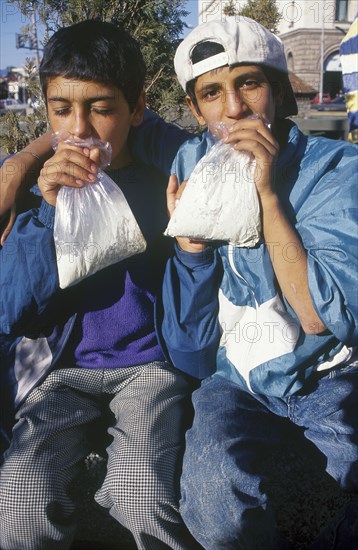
(220, 515)
(199, 509)
(137, 505)
(200, 499)
(31, 492)
(235, 526)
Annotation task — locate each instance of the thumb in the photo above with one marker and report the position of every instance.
(172, 189)
(6, 230)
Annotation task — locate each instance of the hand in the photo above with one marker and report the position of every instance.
(278, 232)
(253, 136)
(71, 166)
(7, 220)
(173, 196)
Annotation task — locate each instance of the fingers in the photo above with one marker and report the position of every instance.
(172, 190)
(173, 196)
(180, 191)
(174, 193)
(254, 136)
(4, 232)
(250, 124)
(70, 166)
(261, 148)
(95, 155)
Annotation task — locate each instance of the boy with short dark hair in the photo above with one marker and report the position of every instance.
(283, 350)
(281, 329)
(90, 353)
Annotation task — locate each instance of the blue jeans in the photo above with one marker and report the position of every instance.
(224, 502)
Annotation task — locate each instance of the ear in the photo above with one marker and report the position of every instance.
(194, 110)
(137, 115)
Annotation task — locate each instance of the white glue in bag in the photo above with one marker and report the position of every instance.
(220, 200)
(94, 225)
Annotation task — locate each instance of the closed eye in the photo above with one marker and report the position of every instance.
(61, 112)
(103, 112)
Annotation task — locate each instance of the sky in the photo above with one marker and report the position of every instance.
(11, 21)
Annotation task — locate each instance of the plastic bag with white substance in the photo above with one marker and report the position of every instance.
(94, 225)
(220, 200)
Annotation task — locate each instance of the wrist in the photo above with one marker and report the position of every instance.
(50, 197)
(271, 213)
(26, 161)
(28, 152)
(269, 200)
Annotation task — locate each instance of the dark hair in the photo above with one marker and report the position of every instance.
(201, 51)
(98, 51)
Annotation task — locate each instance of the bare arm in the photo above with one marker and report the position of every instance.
(289, 260)
(37, 162)
(17, 174)
(288, 256)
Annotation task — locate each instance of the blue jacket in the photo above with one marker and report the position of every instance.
(246, 328)
(36, 319)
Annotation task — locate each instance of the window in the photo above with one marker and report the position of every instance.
(341, 10)
(290, 64)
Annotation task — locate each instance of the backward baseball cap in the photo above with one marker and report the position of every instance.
(244, 42)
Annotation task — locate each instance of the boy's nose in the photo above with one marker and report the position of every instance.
(82, 126)
(234, 105)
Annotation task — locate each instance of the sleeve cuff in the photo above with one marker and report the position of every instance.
(46, 214)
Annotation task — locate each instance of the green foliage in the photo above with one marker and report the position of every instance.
(156, 24)
(265, 12)
(20, 130)
(230, 8)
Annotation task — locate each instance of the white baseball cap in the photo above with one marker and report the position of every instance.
(243, 41)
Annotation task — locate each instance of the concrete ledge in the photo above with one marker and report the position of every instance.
(331, 126)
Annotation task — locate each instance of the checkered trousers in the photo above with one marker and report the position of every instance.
(150, 408)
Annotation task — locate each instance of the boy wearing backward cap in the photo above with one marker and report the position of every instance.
(280, 332)
(273, 328)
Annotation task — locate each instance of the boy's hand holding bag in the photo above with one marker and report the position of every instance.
(94, 225)
(220, 200)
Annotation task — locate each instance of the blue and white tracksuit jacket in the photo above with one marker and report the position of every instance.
(32, 336)
(247, 329)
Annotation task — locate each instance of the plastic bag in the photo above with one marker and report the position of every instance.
(220, 200)
(94, 225)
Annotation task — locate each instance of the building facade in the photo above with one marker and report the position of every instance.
(311, 31)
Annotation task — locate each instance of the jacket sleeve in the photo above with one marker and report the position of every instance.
(332, 276)
(190, 324)
(329, 234)
(156, 142)
(28, 270)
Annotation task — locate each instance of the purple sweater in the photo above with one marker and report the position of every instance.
(115, 307)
